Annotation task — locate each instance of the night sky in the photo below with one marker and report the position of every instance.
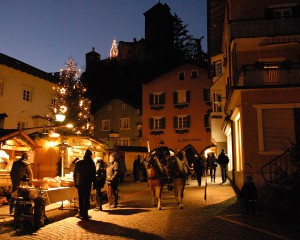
(45, 33)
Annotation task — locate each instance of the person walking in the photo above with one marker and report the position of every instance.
(212, 165)
(84, 176)
(100, 182)
(223, 161)
(199, 166)
(137, 168)
(19, 168)
(112, 180)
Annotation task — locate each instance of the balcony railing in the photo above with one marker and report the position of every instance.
(254, 76)
(263, 28)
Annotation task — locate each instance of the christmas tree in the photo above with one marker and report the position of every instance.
(114, 49)
(70, 99)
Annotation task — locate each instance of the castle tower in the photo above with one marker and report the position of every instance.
(159, 29)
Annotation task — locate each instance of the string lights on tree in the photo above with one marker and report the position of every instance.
(114, 49)
(70, 99)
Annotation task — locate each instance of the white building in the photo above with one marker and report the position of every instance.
(25, 93)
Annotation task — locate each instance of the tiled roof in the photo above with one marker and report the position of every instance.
(23, 67)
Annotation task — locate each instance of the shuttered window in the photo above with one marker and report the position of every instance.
(278, 128)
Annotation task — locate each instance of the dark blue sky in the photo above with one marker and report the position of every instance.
(45, 33)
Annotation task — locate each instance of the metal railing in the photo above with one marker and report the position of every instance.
(252, 76)
(263, 28)
(280, 169)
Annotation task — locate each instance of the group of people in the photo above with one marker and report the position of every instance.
(88, 174)
(202, 165)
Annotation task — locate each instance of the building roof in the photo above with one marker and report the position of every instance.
(23, 67)
(156, 7)
(6, 134)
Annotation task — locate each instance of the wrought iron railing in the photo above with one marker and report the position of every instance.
(256, 76)
(280, 170)
(263, 27)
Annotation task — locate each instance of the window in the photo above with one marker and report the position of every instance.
(125, 141)
(217, 102)
(206, 94)
(181, 97)
(27, 95)
(157, 99)
(181, 76)
(20, 125)
(125, 123)
(276, 127)
(157, 123)
(194, 74)
(123, 107)
(109, 108)
(104, 125)
(282, 13)
(116, 140)
(1, 88)
(182, 122)
(218, 68)
(53, 102)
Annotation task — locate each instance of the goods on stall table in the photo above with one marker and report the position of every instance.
(41, 183)
(67, 183)
(53, 182)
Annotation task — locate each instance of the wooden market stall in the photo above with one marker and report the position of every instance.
(56, 154)
(13, 143)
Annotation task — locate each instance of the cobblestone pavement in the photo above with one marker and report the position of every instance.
(219, 217)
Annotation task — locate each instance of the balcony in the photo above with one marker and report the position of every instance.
(264, 28)
(269, 75)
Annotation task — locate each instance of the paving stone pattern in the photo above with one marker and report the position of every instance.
(219, 217)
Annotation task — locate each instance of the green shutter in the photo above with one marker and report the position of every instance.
(151, 99)
(151, 123)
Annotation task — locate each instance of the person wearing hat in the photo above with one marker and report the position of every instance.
(19, 168)
(223, 161)
(84, 176)
(112, 180)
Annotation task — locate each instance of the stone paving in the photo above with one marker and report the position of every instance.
(219, 217)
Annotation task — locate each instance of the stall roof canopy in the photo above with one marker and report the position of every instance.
(19, 137)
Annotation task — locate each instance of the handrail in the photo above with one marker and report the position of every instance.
(279, 168)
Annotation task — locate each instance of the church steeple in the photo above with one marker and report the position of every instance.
(114, 49)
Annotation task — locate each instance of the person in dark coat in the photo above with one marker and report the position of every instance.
(212, 165)
(223, 161)
(138, 168)
(199, 166)
(112, 180)
(84, 176)
(100, 182)
(19, 168)
(249, 194)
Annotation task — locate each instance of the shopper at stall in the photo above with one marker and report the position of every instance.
(100, 182)
(84, 177)
(112, 180)
(19, 168)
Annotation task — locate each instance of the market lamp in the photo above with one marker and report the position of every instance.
(60, 114)
(60, 117)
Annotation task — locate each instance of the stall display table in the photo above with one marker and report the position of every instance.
(54, 195)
